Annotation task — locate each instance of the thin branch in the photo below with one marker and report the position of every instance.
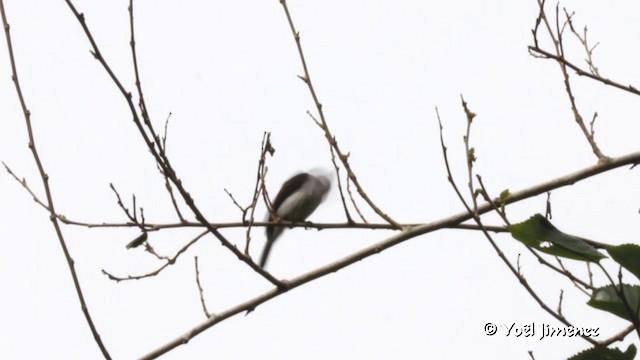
(24, 184)
(158, 227)
(560, 58)
(633, 314)
(475, 214)
(337, 169)
(144, 111)
(167, 185)
(148, 248)
(409, 233)
(353, 201)
(259, 187)
(547, 212)
(242, 210)
(325, 127)
(131, 217)
(560, 298)
(45, 183)
(167, 182)
(628, 88)
(630, 159)
(540, 259)
(592, 124)
(161, 143)
(200, 291)
(579, 284)
(618, 337)
(169, 261)
(585, 43)
(154, 145)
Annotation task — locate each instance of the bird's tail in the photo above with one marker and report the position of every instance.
(265, 253)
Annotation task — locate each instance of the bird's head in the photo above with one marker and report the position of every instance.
(323, 175)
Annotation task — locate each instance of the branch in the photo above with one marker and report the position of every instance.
(186, 224)
(259, 187)
(576, 281)
(325, 127)
(160, 157)
(474, 213)
(560, 57)
(338, 179)
(408, 233)
(45, 183)
(169, 262)
(628, 88)
(200, 290)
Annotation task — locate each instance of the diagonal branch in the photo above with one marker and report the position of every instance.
(47, 189)
(472, 210)
(344, 158)
(153, 143)
(581, 72)
(169, 261)
(408, 233)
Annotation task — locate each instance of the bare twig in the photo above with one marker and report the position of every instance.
(157, 226)
(540, 259)
(409, 233)
(169, 261)
(24, 184)
(153, 143)
(45, 183)
(259, 188)
(547, 212)
(474, 213)
(619, 288)
(618, 337)
(353, 201)
(579, 284)
(132, 217)
(204, 305)
(167, 185)
(337, 169)
(148, 248)
(560, 57)
(325, 127)
(545, 54)
(144, 111)
(161, 143)
(566, 180)
(592, 124)
(242, 210)
(559, 309)
(585, 43)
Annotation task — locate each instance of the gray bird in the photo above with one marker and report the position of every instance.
(296, 200)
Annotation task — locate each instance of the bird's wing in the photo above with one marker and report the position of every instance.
(288, 188)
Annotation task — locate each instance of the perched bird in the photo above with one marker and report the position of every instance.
(296, 200)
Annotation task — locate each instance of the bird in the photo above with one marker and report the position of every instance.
(297, 199)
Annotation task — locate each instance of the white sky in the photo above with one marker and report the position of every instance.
(227, 71)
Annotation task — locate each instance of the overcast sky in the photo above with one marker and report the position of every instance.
(227, 71)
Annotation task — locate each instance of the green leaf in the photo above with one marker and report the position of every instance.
(471, 155)
(601, 352)
(628, 256)
(607, 299)
(504, 195)
(137, 241)
(537, 232)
